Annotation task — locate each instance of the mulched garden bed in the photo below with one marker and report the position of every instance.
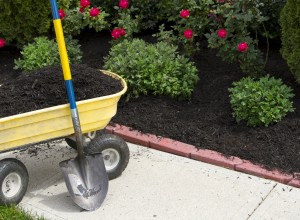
(206, 120)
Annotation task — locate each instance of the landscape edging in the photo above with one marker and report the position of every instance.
(208, 156)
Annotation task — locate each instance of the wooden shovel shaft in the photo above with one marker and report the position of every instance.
(67, 75)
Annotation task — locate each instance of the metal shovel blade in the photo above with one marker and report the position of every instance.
(86, 180)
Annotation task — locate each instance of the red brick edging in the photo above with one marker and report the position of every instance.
(207, 156)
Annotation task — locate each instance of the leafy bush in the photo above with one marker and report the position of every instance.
(152, 68)
(260, 102)
(79, 14)
(44, 52)
(195, 19)
(21, 21)
(290, 23)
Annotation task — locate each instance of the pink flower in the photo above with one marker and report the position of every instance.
(94, 12)
(81, 9)
(221, 1)
(184, 13)
(242, 47)
(116, 33)
(2, 42)
(61, 13)
(188, 33)
(222, 33)
(124, 4)
(84, 3)
(122, 31)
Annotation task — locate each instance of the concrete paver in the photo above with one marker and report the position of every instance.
(157, 185)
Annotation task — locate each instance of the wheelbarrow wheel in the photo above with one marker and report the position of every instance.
(115, 153)
(13, 181)
(88, 137)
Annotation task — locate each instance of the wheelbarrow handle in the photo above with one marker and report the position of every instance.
(67, 75)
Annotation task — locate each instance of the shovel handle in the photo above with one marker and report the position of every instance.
(67, 75)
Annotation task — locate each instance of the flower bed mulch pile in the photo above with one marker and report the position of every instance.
(205, 121)
(46, 88)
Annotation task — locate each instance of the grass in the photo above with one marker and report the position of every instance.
(16, 213)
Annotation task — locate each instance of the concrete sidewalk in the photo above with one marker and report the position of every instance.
(157, 185)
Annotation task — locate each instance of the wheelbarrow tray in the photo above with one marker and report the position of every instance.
(56, 122)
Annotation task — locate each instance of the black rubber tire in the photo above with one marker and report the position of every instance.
(107, 141)
(8, 166)
(72, 143)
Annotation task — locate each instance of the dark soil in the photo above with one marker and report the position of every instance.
(45, 88)
(206, 120)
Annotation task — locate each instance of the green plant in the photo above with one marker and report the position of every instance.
(290, 23)
(152, 68)
(15, 213)
(44, 52)
(21, 21)
(82, 14)
(238, 18)
(125, 21)
(260, 102)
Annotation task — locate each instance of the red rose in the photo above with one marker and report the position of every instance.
(116, 33)
(188, 33)
(84, 3)
(124, 4)
(94, 12)
(242, 47)
(61, 13)
(2, 42)
(81, 9)
(184, 13)
(122, 31)
(222, 33)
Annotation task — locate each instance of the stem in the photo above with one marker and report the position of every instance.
(267, 37)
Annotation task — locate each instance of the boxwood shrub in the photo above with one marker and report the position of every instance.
(290, 29)
(23, 20)
(152, 68)
(44, 52)
(260, 102)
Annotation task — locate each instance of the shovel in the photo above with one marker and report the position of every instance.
(85, 175)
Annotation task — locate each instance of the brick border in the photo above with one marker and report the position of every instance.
(207, 156)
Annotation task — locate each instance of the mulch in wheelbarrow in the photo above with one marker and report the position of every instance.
(46, 88)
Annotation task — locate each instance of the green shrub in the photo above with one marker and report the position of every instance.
(290, 24)
(260, 102)
(21, 21)
(152, 68)
(44, 52)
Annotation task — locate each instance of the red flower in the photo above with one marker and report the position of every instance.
(94, 12)
(188, 33)
(124, 4)
(122, 32)
(84, 3)
(222, 33)
(184, 13)
(81, 9)
(61, 13)
(221, 1)
(242, 47)
(2, 42)
(116, 33)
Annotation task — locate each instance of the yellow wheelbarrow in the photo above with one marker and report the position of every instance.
(22, 130)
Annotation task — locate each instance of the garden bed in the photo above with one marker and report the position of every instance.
(206, 120)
